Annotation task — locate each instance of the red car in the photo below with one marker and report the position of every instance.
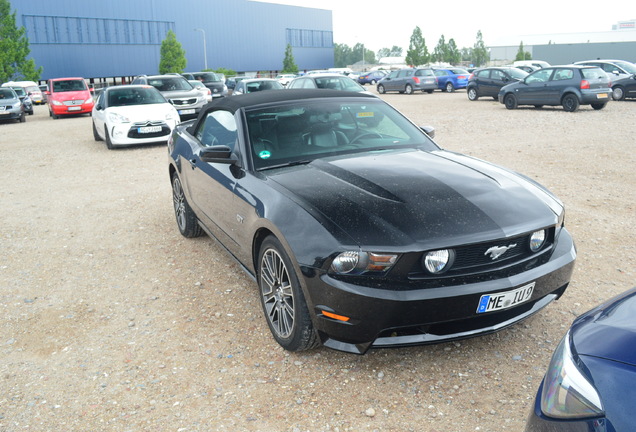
(69, 96)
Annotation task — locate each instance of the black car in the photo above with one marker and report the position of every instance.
(569, 86)
(488, 81)
(214, 82)
(359, 230)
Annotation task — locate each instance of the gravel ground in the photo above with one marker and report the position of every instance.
(114, 322)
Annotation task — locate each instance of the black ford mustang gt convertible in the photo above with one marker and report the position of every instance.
(359, 230)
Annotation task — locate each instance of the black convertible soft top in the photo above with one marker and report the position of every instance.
(234, 103)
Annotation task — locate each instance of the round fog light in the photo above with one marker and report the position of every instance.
(537, 240)
(438, 261)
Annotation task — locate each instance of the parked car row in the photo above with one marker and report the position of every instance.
(409, 80)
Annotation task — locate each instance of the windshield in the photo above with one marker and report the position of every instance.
(6, 93)
(517, 73)
(338, 83)
(134, 96)
(19, 91)
(206, 77)
(300, 132)
(629, 67)
(170, 84)
(459, 71)
(69, 85)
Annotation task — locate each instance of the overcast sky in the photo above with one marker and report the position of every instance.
(385, 23)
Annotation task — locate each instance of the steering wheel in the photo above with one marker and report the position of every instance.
(365, 134)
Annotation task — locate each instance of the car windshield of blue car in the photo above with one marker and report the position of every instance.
(134, 96)
(285, 135)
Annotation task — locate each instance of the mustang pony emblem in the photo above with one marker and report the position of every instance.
(497, 251)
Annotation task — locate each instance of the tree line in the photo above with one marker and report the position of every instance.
(417, 53)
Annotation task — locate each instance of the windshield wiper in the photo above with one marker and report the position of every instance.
(286, 164)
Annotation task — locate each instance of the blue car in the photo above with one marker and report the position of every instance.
(451, 79)
(590, 385)
(371, 77)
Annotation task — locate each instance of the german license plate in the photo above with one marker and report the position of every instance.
(149, 129)
(505, 300)
(74, 108)
(188, 111)
(601, 96)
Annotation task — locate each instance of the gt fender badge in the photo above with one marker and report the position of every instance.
(497, 251)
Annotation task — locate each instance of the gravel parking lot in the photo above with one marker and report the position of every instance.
(114, 322)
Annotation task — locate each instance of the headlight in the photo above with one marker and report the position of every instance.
(89, 100)
(56, 102)
(17, 105)
(355, 262)
(567, 393)
(114, 117)
(537, 240)
(438, 261)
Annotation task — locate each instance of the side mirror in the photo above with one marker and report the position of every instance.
(428, 130)
(217, 154)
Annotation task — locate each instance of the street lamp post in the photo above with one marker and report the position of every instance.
(205, 51)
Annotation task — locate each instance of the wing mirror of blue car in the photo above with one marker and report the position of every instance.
(217, 154)
(428, 130)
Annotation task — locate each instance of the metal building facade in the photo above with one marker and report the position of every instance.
(118, 38)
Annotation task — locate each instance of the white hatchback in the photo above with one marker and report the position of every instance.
(133, 114)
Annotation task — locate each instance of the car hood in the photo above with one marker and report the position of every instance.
(419, 199)
(142, 113)
(608, 331)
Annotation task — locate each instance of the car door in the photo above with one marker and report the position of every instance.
(442, 78)
(99, 114)
(498, 79)
(211, 185)
(484, 82)
(535, 90)
(390, 82)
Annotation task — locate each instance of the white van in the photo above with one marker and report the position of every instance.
(31, 88)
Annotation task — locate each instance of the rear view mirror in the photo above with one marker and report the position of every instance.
(428, 130)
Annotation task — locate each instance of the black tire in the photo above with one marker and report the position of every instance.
(538, 106)
(95, 134)
(472, 94)
(570, 102)
(31, 112)
(381, 89)
(22, 118)
(510, 101)
(282, 299)
(408, 89)
(599, 106)
(618, 93)
(186, 219)
(109, 143)
(429, 91)
(449, 87)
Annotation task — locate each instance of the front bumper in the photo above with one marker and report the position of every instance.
(125, 134)
(381, 317)
(85, 108)
(11, 114)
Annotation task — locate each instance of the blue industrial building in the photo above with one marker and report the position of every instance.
(122, 38)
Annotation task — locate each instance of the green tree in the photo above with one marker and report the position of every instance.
(172, 55)
(341, 55)
(417, 54)
(14, 48)
(440, 53)
(480, 53)
(522, 54)
(394, 51)
(453, 55)
(289, 65)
